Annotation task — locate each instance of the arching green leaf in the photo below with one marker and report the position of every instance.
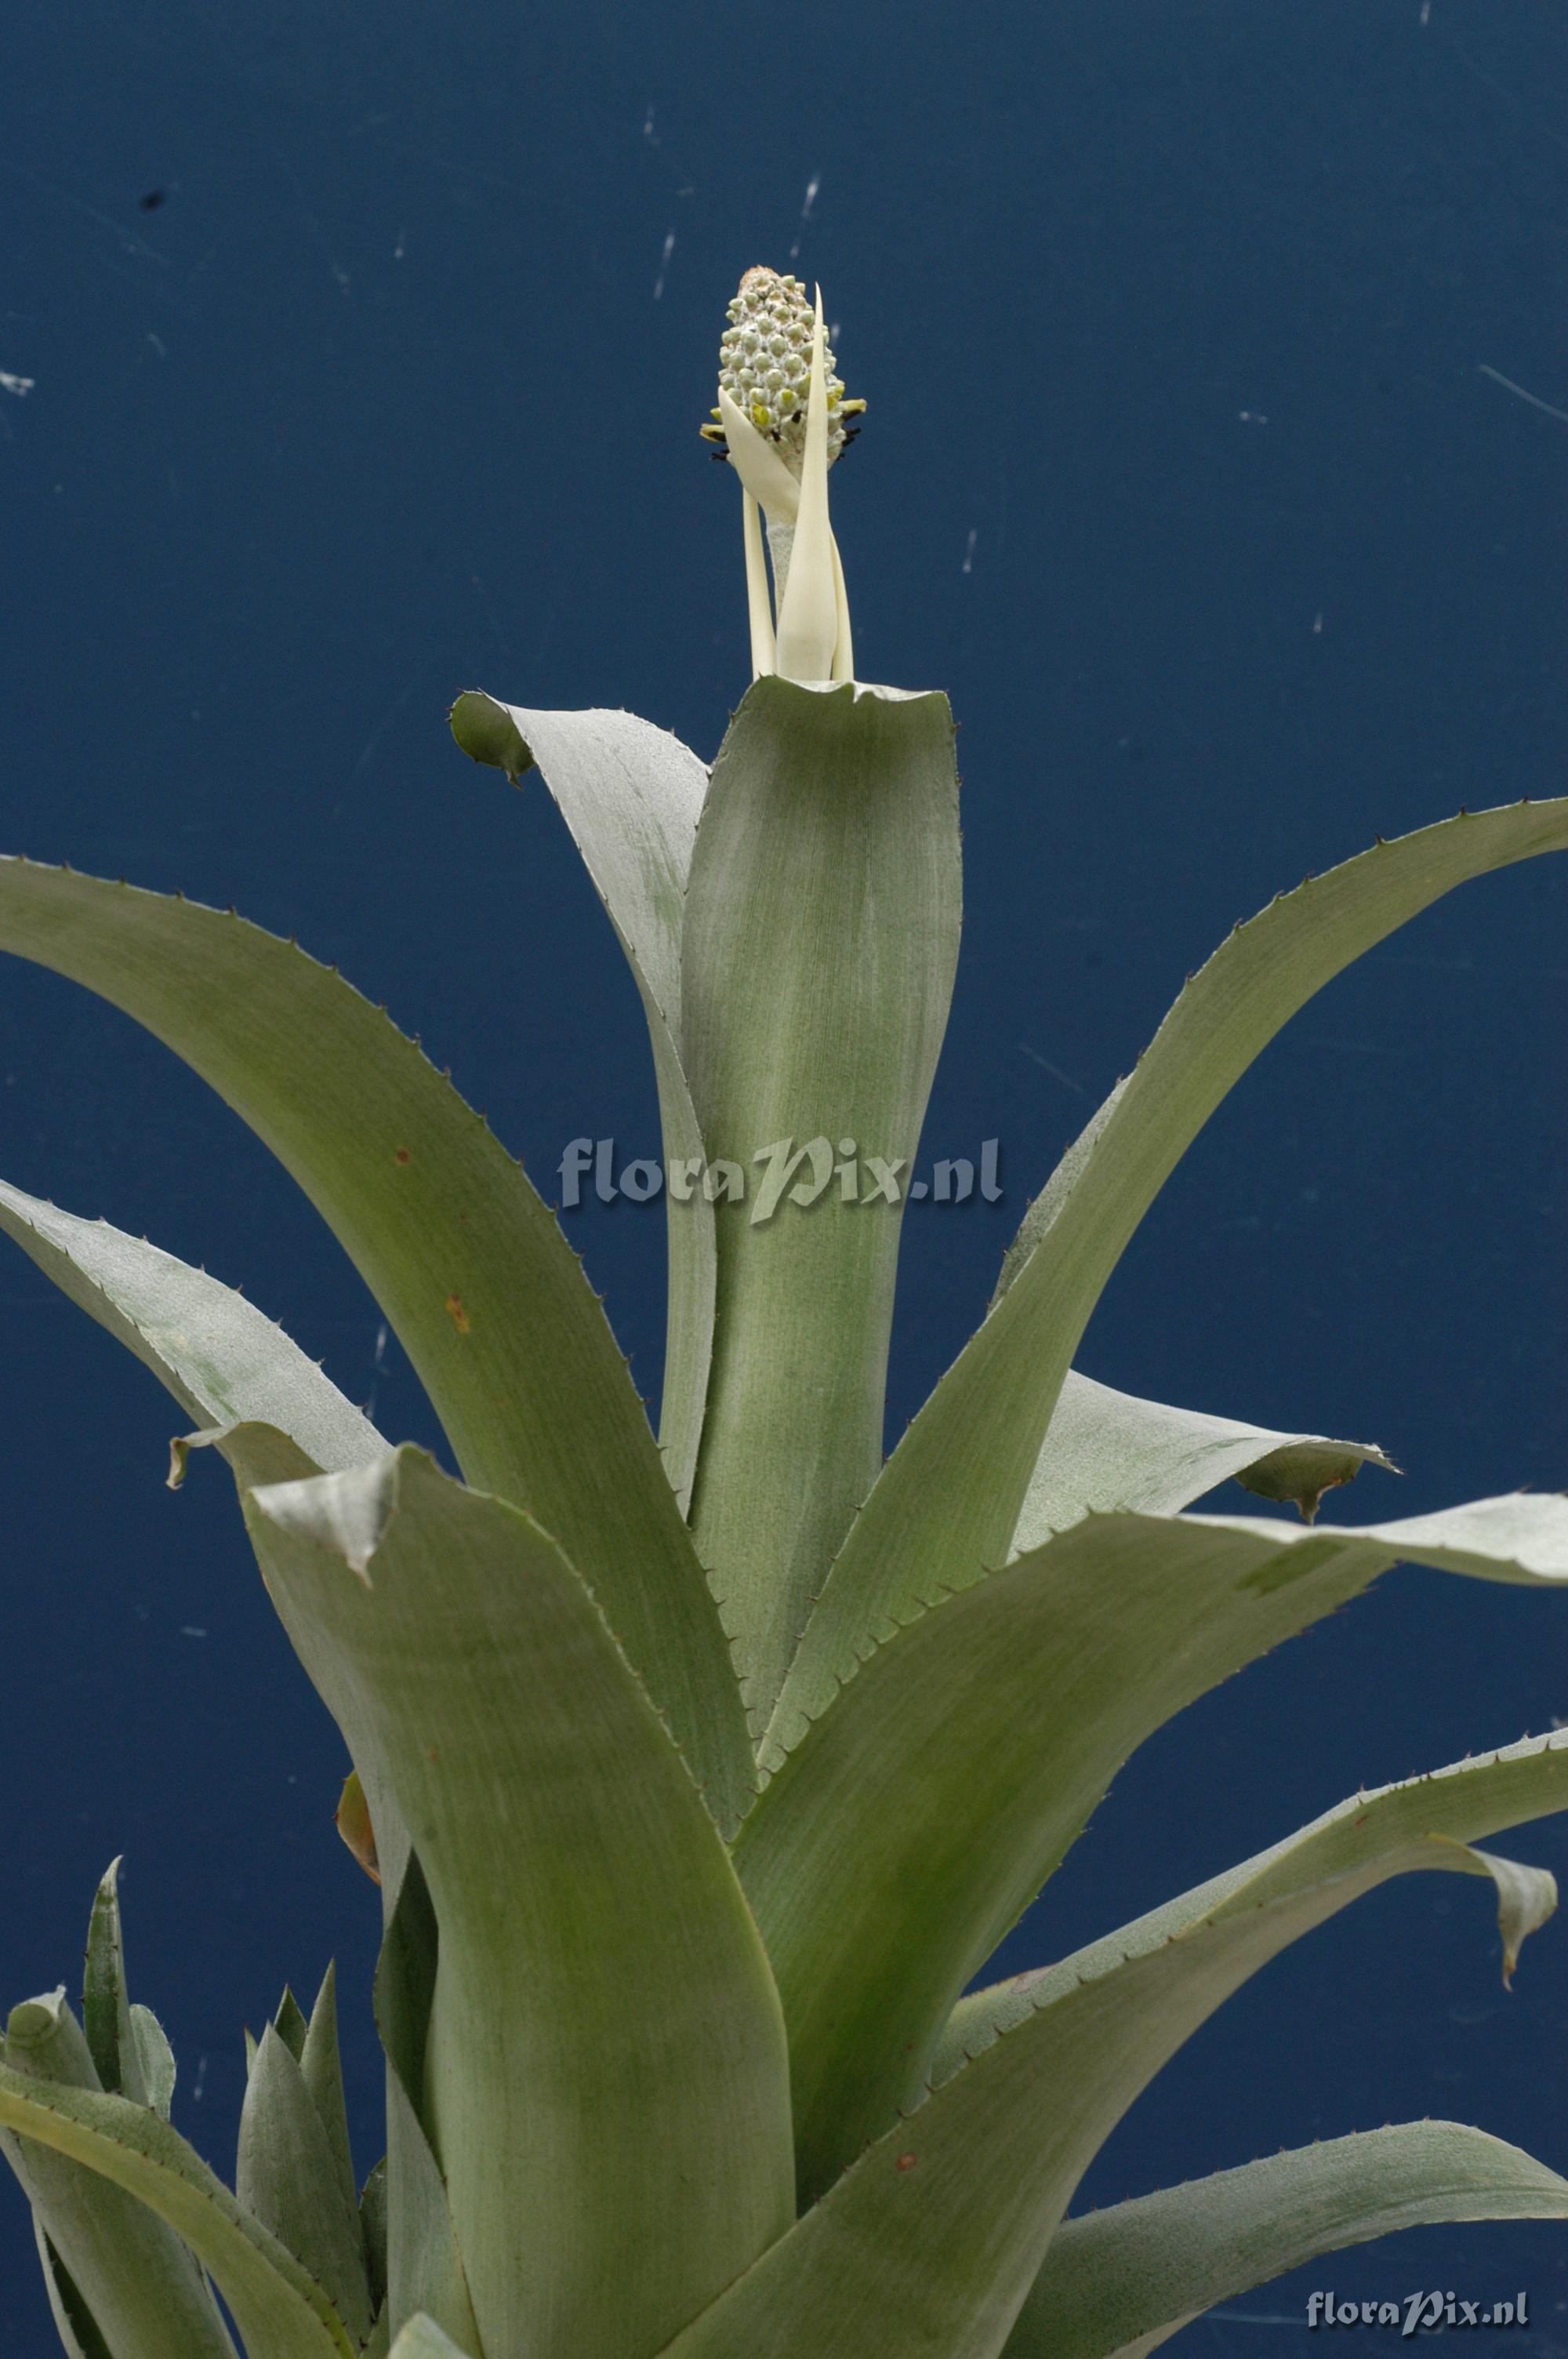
(1117, 2283)
(468, 1263)
(949, 1500)
(280, 2311)
(224, 1361)
(1106, 1450)
(930, 2242)
(918, 1816)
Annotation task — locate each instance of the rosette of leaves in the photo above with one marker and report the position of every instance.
(703, 1773)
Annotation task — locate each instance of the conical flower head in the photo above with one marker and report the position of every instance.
(764, 367)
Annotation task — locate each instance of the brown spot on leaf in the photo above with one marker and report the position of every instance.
(401, 1156)
(905, 2162)
(457, 1315)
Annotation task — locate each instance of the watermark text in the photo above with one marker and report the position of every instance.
(779, 1173)
(1431, 2312)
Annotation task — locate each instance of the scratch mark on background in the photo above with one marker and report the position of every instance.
(377, 1367)
(1490, 82)
(663, 263)
(968, 564)
(312, 227)
(1054, 1070)
(374, 740)
(1534, 399)
(812, 186)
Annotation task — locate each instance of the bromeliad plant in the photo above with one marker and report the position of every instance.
(702, 1776)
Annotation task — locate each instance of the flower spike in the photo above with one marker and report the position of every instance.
(781, 420)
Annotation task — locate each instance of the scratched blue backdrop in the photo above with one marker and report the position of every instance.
(1215, 463)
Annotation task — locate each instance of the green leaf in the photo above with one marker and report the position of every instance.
(1106, 1450)
(260, 1454)
(290, 2023)
(603, 2010)
(222, 1359)
(425, 2269)
(1520, 1539)
(406, 1981)
(218, 1357)
(372, 2228)
(105, 2005)
(470, 1268)
(929, 2242)
(821, 934)
(156, 2058)
(217, 1354)
(631, 795)
(287, 2176)
(1117, 2283)
(78, 2328)
(423, 2266)
(950, 1498)
(131, 2210)
(917, 1817)
(321, 2069)
(113, 2270)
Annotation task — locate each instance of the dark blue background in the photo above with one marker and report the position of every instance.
(1183, 472)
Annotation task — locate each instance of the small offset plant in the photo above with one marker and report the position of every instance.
(701, 1777)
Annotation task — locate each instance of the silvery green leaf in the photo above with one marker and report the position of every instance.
(124, 2272)
(425, 2269)
(105, 2005)
(951, 1495)
(290, 2023)
(623, 1985)
(372, 2228)
(631, 794)
(79, 2331)
(817, 967)
(1105, 1450)
(469, 1266)
(931, 2240)
(1117, 2283)
(281, 2313)
(223, 1360)
(321, 2070)
(155, 2056)
(288, 2176)
(916, 1815)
